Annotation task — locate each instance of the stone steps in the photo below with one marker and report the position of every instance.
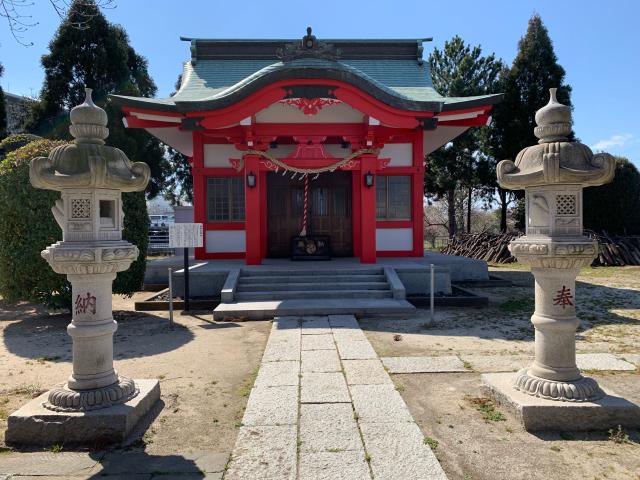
(312, 270)
(303, 286)
(310, 294)
(282, 277)
(264, 310)
(264, 294)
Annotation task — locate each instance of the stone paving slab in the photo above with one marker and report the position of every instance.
(347, 465)
(318, 342)
(267, 453)
(127, 463)
(632, 358)
(343, 321)
(324, 388)
(398, 452)
(602, 361)
(328, 427)
(282, 345)
(356, 350)
(348, 334)
(379, 403)
(46, 463)
(365, 372)
(278, 374)
(423, 364)
(272, 406)
(315, 326)
(497, 363)
(285, 323)
(320, 361)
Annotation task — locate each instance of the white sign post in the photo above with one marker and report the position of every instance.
(186, 236)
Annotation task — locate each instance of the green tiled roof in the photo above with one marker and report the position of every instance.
(401, 81)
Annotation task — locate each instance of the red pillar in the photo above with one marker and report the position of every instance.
(418, 195)
(253, 213)
(368, 164)
(199, 190)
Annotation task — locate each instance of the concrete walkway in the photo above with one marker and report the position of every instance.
(324, 408)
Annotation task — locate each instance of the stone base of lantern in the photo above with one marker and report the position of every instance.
(33, 424)
(538, 414)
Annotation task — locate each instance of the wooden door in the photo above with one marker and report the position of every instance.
(329, 211)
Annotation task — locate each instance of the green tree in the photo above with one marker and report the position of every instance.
(615, 207)
(98, 56)
(3, 109)
(178, 186)
(460, 70)
(28, 227)
(525, 85)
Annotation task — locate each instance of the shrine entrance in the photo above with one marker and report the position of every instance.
(329, 210)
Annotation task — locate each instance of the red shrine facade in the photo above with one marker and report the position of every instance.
(294, 141)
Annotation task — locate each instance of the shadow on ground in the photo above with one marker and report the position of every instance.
(39, 335)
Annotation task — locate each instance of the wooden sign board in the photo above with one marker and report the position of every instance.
(185, 235)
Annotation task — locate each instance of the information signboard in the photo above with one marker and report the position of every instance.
(185, 235)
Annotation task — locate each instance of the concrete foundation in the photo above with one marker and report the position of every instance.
(538, 414)
(35, 425)
(207, 277)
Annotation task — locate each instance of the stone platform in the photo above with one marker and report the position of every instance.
(35, 425)
(538, 414)
(209, 276)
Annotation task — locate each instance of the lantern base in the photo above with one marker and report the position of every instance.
(584, 389)
(33, 424)
(64, 399)
(538, 414)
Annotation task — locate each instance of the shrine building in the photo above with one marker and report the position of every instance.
(307, 147)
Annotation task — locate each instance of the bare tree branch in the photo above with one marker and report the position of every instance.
(19, 23)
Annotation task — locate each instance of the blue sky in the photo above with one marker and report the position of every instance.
(596, 42)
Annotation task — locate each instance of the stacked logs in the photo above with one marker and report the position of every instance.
(616, 251)
(613, 250)
(490, 247)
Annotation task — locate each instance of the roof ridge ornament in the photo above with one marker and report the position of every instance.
(308, 47)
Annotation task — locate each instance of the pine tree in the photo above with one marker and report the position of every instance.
(98, 56)
(459, 70)
(526, 85)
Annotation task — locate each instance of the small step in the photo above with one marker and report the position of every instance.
(332, 306)
(311, 294)
(286, 286)
(312, 279)
(310, 270)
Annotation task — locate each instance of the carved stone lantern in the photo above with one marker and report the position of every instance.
(91, 178)
(553, 174)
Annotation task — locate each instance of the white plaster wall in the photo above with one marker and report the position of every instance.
(282, 113)
(217, 156)
(400, 239)
(225, 241)
(401, 154)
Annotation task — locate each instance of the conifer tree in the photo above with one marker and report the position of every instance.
(459, 70)
(98, 56)
(525, 85)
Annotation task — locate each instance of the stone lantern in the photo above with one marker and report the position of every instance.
(91, 178)
(553, 174)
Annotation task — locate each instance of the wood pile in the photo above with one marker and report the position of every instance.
(613, 250)
(490, 247)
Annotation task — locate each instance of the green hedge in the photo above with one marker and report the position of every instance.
(27, 227)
